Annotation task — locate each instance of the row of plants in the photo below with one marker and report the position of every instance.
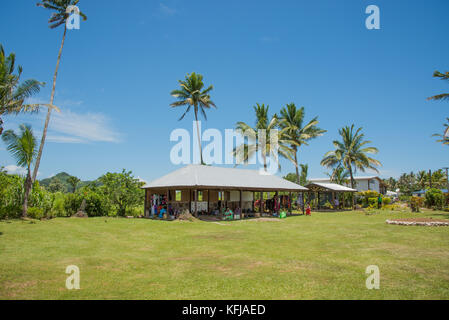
(434, 199)
(370, 199)
(119, 195)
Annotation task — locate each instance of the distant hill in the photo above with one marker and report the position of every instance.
(62, 176)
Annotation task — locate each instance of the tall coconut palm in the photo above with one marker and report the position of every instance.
(442, 96)
(57, 18)
(351, 153)
(23, 149)
(260, 137)
(193, 95)
(292, 122)
(445, 136)
(13, 93)
(422, 179)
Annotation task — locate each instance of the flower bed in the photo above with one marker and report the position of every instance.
(428, 222)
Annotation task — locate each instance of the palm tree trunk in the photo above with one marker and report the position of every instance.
(297, 165)
(27, 186)
(352, 187)
(198, 133)
(47, 119)
(298, 181)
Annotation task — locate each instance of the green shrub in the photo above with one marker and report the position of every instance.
(58, 208)
(72, 203)
(386, 201)
(11, 196)
(372, 202)
(416, 203)
(35, 213)
(435, 199)
(364, 198)
(95, 205)
(135, 211)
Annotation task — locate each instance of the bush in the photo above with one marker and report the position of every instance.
(135, 211)
(36, 213)
(392, 207)
(364, 198)
(95, 205)
(72, 203)
(40, 198)
(11, 196)
(434, 199)
(58, 208)
(372, 202)
(386, 201)
(416, 203)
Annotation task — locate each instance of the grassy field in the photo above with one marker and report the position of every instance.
(319, 257)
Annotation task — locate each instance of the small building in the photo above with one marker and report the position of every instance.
(207, 190)
(361, 183)
(327, 192)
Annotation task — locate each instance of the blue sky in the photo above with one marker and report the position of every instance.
(117, 72)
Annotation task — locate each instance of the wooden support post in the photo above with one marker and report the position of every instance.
(261, 203)
(303, 202)
(167, 202)
(333, 200)
(277, 204)
(319, 206)
(289, 203)
(221, 202)
(145, 205)
(254, 198)
(196, 203)
(208, 201)
(190, 200)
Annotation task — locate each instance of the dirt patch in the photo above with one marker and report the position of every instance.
(419, 222)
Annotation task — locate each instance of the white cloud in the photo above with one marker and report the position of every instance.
(81, 128)
(13, 169)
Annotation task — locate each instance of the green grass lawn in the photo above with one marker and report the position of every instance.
(319, 257)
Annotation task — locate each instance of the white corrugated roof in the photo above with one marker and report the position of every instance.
(332, 186)
(219, 177)
(355, 178)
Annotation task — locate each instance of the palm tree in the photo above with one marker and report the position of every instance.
(193, 94)
(422, 179)
(12, 92)
(292, 121)
(445, 136)
(73, 181)
(351, 153)
(23, 149)
(442, 96)
(59, 17)
(304, 173)
(260, 137)
(339, 175)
